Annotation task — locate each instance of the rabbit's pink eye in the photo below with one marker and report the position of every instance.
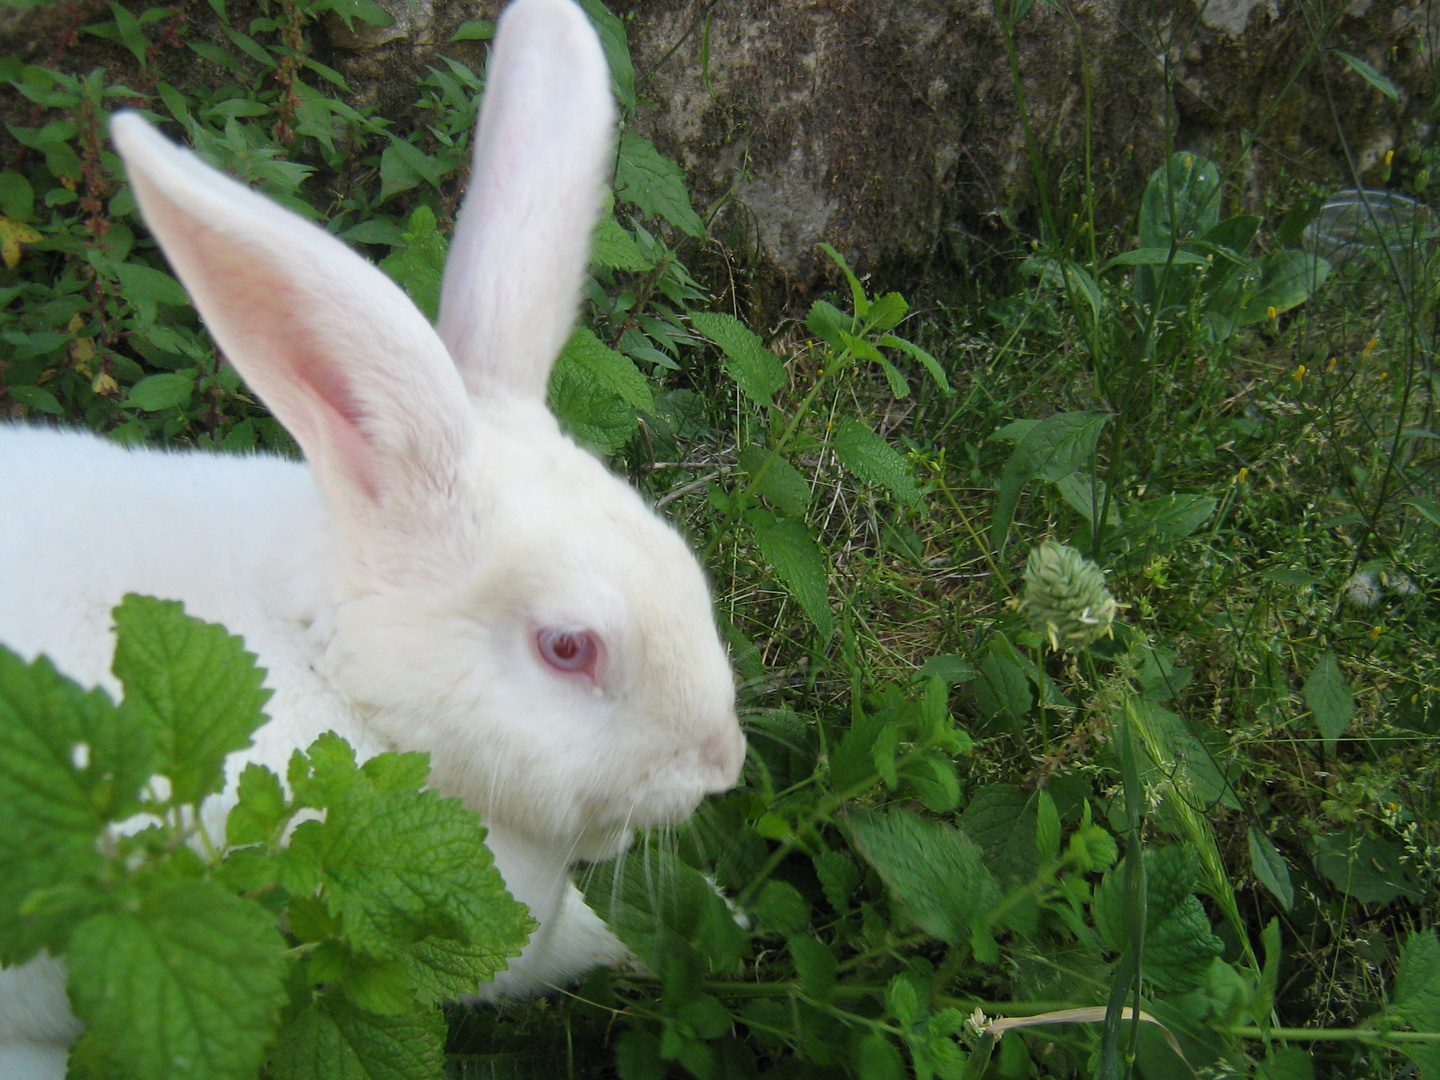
(568, 650)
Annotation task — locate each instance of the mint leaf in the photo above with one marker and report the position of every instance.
(193, 685)
(398, 867)
(797, 561)
(69, 762)
(416, 265)
(334, 1040)
(931, 868)
(188, 984)
(442, 969)
(607, 368)
(260, 810)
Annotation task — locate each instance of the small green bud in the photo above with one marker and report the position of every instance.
(1065, 597)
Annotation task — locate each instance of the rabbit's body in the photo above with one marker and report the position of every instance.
(447, 571)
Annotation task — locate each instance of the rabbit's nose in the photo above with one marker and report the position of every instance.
(725, 754)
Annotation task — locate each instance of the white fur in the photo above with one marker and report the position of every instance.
(394, 584)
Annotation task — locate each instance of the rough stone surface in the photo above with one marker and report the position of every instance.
(891, 128)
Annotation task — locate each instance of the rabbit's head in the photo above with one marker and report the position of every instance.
(493, 595)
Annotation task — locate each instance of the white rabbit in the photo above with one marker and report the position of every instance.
(447, 571)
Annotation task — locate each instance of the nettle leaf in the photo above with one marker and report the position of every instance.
(602, 420)
(756, 370)
(782, 486)
(260, 809)
(69, 762)
(873, 459)
(418, 262)
(334, 1040)
(815, 966)
(193, 686)
(187, 984)
(1330, 699)
(791, 552)
(612, 247)
(1417, 997)
(932, 869)
(655, 184)
(606, 368)
(1179, 943)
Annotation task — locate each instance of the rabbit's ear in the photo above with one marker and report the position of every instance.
(543, 149)
(336, 350)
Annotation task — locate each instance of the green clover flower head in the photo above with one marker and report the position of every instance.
(1065, 597)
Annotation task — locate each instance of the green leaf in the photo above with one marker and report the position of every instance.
(192, 685)
(1047, 827)
(617, 51)
(1002, 687)
(756, 370)
(781, 486)
(1179, 944)
(37, 397)
(857, 291)
(829, 324)
(1330, 700)
(69, 762)
(162, 391)
(1182, 199)
(1051, 450)
(1417, 981)
(474, 30)
(663, 909)
(932, 869)
(604, 367)
(781, 908)
(1003, 820)
(1156, 256)
(187, 983)
(1372, 870)
(655, 184)
(398, 867)
(815, 966)
(144, 283)
(612, 247)
(592, 415)
(1287, 280)
(1370, 75)
(333, 1040)
(873, 459)
(795, 558)
(1269, 867)
(259, 810)
(925, 360)
(418, 262)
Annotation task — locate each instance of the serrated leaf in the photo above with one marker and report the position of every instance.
(334, 1040)
(1047, 827)
(188, 984)
(194, 687)
(612, 247)
(418, 262)
(781, 486)
(162, 391)
(798, 562)
(663, 909)
(781, 908)
(68, 763)
(1330, 700)
(1002, 820)
(259, 810)
(1179, 943)
(815, 966)
(593, 416)
(442, 969)
(873, 459)
(839, 877)
(1269, 867)
(606, 368)
(756, 370)
(655, 184)
(1417, 981)
(398, 867)
(933, 870)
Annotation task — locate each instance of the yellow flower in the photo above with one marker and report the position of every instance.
(1270, 312)
(1370, 346)
(1242, 474)
(1389, 157)
(1331, 364)
(1300, 373)
(1376, 632)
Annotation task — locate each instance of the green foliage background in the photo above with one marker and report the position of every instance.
(1223, 815)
